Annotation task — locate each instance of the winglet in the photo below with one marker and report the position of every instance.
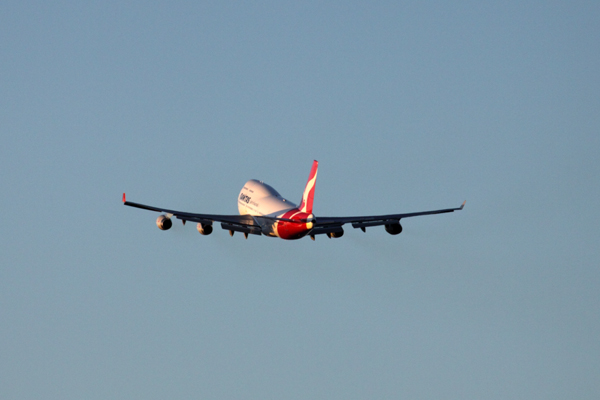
(463, 205)
(124, 198)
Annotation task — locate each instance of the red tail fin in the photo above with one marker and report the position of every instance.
(306, 205)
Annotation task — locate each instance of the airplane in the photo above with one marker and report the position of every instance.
(262, 211)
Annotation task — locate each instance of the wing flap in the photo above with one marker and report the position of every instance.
(374, 223)
(254, 230)
(326, 229)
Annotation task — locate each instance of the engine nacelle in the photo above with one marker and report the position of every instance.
(337, 234)
(164, 223)
(393, 229)
(204, 229)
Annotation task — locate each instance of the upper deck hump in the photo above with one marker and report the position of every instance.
(260, 189)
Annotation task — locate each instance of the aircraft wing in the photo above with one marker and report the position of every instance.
(240, 223)
(323, 223)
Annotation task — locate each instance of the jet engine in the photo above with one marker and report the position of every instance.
(164, 223)
(336, 234)
(204, 229)
(393, 229)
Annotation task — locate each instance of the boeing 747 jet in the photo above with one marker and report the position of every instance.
(262, 211)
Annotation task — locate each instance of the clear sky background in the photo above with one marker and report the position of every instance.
(408, 106)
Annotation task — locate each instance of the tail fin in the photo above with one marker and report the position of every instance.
(309, 192)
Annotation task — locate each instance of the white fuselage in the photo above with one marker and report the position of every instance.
(259, 199)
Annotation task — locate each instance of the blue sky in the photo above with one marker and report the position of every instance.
(407, 106)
